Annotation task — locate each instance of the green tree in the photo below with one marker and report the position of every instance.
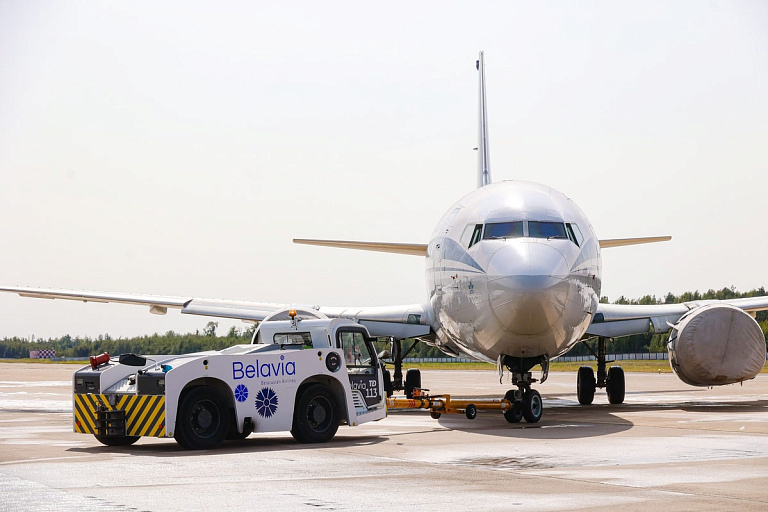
(210, 329)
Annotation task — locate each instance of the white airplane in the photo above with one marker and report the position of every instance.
(513, 276)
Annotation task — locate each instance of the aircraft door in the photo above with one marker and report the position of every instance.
(362, 364)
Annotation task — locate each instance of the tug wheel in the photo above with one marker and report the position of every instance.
(316, 416)
(117, 441)
(388, 383)
(202, 421)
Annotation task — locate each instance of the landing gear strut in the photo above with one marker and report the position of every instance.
(612, 379)
(526, 402)
(395, 381)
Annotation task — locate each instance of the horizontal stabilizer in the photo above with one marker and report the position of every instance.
(412, 249)
(618, 242)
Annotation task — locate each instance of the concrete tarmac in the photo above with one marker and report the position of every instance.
(669, 446)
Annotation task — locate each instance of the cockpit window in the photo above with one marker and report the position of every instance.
(466, 235)
(578, 235)
(503, 230)
(538, 229)
(471, 235)
(571, 236)
(574, 234)
(475, 235)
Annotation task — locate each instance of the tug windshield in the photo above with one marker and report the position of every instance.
(356, 351)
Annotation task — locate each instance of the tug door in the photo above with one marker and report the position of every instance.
(362, 364)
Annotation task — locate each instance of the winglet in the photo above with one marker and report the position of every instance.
(483, 162)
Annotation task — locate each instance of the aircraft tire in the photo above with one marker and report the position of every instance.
(316, 415)
(615, 385)
(412, 381)
(515, 414)
(388, 382)
(585, 385)
(533, 407)
(117, 441)
(202, 422)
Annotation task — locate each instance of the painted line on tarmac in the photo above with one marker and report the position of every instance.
(44, 459)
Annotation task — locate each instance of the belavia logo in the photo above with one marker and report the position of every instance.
(241, 393)
(266, 402)
(260, 370)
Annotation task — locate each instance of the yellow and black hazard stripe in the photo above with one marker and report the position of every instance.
(144, 414)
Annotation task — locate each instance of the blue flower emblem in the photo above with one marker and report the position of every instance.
(266, 402)
(241, 393)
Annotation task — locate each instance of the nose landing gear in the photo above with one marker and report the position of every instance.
(526, 402)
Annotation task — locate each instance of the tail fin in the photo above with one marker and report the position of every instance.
(483, 163)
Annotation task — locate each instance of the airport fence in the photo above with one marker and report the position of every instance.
(647, 356)
(437, 360)
(652, 356)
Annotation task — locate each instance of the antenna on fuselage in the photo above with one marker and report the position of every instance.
(483, 161)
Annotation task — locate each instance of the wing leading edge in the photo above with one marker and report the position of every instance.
(396, 248)
(399, 321)
(619, 242)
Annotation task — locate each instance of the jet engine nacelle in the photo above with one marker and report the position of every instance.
(715, 345)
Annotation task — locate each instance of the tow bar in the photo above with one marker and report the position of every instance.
(443, 404)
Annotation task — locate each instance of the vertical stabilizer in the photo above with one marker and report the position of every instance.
(483, 162)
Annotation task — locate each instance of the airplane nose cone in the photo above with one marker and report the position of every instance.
(527, 287)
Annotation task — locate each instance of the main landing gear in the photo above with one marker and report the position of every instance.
(526, 402)
(612, 380)
(395, 382)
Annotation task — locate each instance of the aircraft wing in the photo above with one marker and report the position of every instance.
(396, 248)
(614, 320)
(620, 242)
(421, 249)
(398, 321)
